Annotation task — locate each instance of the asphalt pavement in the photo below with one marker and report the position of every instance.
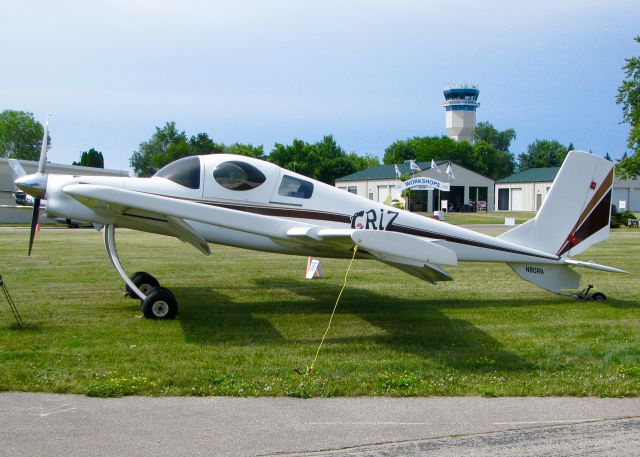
(73, 425)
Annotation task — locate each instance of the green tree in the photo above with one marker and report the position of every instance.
(329, 161)
(166, 144)
(363, 162)
(483, 157)
(21, 135)
(325, 160)
(202, 144)
(543, 153)
(500, 140)
(629, 97)
(491, 151)
(398, 152)
(248, 150)
(490, 162)
(423, 149)
(91, 158)
(296, 156)
(608, 157)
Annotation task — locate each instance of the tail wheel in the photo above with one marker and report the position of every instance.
(160, 304)
(143, 281)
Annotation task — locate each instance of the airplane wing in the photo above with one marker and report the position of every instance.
(417, 256)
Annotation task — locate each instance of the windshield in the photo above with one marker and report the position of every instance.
(185, 172)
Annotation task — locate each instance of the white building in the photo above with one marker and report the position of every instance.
(378, 182)
(527, 190)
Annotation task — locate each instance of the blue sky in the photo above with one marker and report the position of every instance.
(368, 72)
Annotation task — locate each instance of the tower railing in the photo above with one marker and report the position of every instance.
(460, 101)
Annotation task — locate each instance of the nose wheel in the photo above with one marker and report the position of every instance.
(156, 302)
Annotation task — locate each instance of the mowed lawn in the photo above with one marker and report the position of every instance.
(249, 324)
(495, 217)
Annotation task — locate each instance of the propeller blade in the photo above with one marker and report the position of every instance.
(43, 149)
(34, 222)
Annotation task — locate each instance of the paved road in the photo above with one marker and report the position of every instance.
(70, 425)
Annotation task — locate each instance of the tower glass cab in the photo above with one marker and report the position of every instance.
(460, 104)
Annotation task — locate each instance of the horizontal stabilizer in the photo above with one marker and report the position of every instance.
(594, 266)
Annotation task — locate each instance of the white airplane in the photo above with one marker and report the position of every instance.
(248, 203)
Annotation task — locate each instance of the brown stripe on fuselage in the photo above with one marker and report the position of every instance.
(317, 215)
(346, 219)
(284, 212)
(426, 234)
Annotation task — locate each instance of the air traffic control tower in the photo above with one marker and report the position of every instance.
(460, 103)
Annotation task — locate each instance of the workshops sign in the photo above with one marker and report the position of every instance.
(424, 183)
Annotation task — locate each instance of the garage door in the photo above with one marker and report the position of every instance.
(383, 193)
(620, 194)
(635, 200)
(516, 199)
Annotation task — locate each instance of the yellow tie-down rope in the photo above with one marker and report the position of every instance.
(310, 367)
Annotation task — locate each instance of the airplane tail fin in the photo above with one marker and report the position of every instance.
(16, 169)
(576, 212)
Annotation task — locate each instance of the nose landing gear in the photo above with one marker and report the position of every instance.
(156, 302)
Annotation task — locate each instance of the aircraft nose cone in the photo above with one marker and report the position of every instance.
(34, 185)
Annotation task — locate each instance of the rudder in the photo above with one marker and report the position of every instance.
(576, 212)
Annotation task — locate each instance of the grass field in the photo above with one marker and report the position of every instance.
(249, 323)
(486, 218)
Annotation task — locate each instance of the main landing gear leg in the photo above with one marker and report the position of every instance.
(156, 302)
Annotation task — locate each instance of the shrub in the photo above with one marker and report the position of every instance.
(624, 217)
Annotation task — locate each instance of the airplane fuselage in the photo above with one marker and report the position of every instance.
(281, 194)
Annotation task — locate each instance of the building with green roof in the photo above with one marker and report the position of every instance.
(524, 191)
(527, 190)
(381, 182)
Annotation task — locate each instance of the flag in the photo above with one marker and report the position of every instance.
(450, 171)
(414, 166)
(397, 172)
(434, 166)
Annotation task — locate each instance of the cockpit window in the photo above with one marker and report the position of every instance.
(185, 172)
(295, 187)
(237, 175)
